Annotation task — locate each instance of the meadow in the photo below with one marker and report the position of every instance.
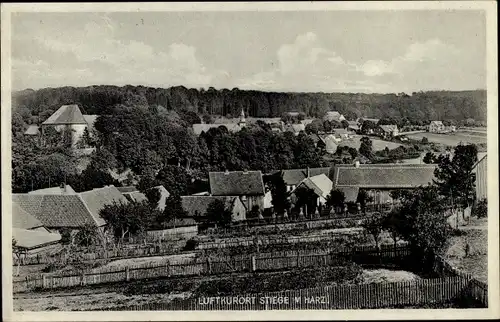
(451, 139)
(378, 145)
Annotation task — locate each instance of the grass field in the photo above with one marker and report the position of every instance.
(450, 139)
(378, 145)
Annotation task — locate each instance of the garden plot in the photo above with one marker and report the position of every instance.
(143, 261)
(476, 263)
(387, 276)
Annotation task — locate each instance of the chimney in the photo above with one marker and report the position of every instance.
(356, 164)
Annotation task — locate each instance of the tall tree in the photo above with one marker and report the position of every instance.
(366, 147)
(173, 210)
(454, 176)
(218, 213)
(279, 193)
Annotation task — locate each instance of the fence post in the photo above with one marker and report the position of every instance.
(167, 268)
(127, 273)
(44, 281)
(209, 266)
(83, 279)
(254, 264)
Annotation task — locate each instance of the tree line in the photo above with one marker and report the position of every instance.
(418, 107)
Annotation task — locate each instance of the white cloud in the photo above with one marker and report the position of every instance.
(126, 62)
(307, 65)
(433, 52)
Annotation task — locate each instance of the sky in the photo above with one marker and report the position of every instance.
(313, 51)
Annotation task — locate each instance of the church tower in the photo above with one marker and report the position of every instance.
(242, 123)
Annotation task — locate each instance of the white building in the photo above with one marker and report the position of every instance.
(436, 127)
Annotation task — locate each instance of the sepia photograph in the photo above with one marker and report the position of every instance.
(224, 157)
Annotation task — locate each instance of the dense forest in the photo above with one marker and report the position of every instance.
(421, 106)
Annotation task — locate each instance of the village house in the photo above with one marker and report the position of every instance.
(247, 185)
(436, 127)
(320, 184)
(295, 128)
(196, 206)
(333, 116)
(353, 126)
(292, 177)
(387, 131)
(198, 128)
(378, 180)
(331, 143)
(68, 118)
(59, 212)
(133, 194)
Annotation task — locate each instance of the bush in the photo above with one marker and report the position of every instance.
(480, 210)
(191, 244)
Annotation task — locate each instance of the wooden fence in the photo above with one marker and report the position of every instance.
(346, 297)
(476, 290)
(207, 266)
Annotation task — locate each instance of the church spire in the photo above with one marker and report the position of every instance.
(242, 121)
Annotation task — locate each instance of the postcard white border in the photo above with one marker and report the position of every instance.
(492, 94)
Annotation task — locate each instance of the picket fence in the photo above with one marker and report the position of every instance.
(476, 290)
(346, 297)
(208, 266)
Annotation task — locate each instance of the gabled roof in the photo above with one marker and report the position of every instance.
(22, 219)
(96, 199)
(236, 183)
(32, 130)
(333, 116)
(341, 131)
(388, 128)
(67, 190)
(436, 122)
(295, 128)
(133, 194)
(66, 114)
(72, 211)
(197, 205)
(350, 193)
(31, 239)
(307, 121)
(369, 119)
(231, 127)
(330, 143)
(320, 184)
(383, 175)
(293, 177)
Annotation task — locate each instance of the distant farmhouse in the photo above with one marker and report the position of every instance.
(320, 184)
(69, 118)
(295, 128)
(387, 131)
(436, 127)
(198, 128)
(439, 127)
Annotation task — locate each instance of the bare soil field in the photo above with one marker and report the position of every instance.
(387, 276)
(476, 263)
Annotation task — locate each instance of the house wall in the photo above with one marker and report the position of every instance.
(481, 180)
(239, 211)
(77, 131)
(252, 201)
